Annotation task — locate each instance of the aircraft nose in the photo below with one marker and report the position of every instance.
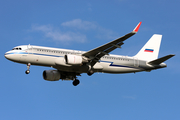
(12, 56)
(5, 55)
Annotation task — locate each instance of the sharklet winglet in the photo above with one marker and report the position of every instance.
(137, 27)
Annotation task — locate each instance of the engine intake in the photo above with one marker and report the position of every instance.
(51, 75)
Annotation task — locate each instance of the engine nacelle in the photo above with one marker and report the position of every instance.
(51, 75)
(75, 59)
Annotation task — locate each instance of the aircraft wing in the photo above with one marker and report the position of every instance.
(95, 54)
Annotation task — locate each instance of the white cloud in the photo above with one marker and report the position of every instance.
(55, 34)
(78, 23)
(43, 28)
(76, 32)
(102, 33)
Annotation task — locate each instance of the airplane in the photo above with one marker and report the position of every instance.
(68, 64)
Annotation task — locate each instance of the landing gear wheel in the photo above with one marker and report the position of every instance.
(76, 82)
(90, 72)
(28, 67)
(27, 72)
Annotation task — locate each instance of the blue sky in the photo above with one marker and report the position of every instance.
(84, 25)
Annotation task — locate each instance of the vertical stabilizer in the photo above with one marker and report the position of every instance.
(150, 50)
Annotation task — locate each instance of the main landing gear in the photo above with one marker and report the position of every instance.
(75, 82)
(90, 72)
(28, 67)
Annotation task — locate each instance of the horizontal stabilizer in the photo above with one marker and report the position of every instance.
(160, 60)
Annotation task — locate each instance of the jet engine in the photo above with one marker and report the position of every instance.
(75, 59)
(51, 75)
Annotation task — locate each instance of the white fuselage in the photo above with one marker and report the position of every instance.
(54, 57)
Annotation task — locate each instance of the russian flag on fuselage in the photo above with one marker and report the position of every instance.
(148, 50)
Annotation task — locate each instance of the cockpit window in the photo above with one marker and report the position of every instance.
(17, 49)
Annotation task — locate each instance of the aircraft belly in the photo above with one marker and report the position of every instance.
(77, 68)
(120, 70)
(117, 68)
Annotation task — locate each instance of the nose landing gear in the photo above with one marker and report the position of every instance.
(28, 67)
